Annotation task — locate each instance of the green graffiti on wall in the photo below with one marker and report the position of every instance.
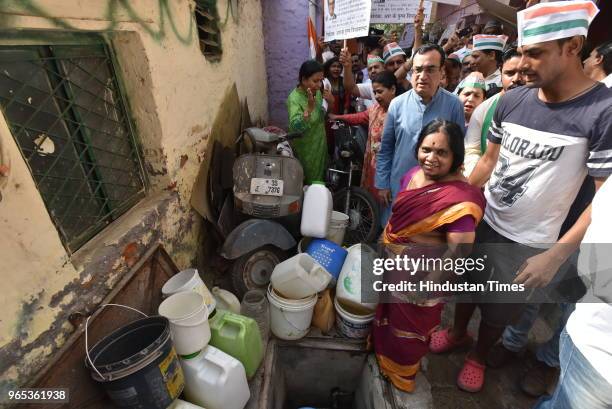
(165, 14)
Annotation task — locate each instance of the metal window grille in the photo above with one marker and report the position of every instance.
(69, 119)
(207, 21)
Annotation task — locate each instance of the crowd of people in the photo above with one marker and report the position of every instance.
(483, 140)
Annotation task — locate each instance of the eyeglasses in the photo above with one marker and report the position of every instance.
(430, 69)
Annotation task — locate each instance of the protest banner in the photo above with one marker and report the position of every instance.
(397, 11)
(346, 19)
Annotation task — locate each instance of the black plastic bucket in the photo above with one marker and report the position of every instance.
(138, 365)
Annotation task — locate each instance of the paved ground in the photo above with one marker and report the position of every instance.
(501, 389)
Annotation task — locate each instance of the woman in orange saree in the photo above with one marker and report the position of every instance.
(436, 206)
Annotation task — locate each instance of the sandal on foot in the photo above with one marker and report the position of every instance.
(471, 376)
(441, 341)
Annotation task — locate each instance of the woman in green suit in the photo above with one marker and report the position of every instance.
(307, 116)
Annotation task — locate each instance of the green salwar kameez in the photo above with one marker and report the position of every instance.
(311, 147)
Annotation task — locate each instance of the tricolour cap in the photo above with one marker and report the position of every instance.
(555, 20)
(373, 58)
(474, 80)
(489, 42)
(391, 50)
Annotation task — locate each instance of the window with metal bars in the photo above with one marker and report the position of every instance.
(207, 21)
(65, 110)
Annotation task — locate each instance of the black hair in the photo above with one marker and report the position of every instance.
(386, 79)
(509, 54)
(308, 69)
(328, 64)
(454, 136)
(605, 50)
(425, 48)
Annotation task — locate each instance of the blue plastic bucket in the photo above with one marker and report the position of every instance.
(327, 253)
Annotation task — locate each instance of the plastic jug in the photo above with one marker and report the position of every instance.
(215, 380)
(238, 336)
(360, 258)
(299, 277)
(226, 300)
(317, 211)
(181, 404)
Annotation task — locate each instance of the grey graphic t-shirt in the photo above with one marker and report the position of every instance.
(546, 152)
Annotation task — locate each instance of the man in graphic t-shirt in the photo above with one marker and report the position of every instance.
(544, 139)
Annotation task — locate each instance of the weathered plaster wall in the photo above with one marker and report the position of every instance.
(286, 44)
(173, 95)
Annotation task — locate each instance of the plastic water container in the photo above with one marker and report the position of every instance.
(215, 380)
(317, 211)
(226, 300)
(352, 324)
(239, 337)
(337, 227)
(299, 277)
(328, 254)
(360, 259)
(255, 305)
(188, 318)
(290, 319)
(189, 280)
(181, 404)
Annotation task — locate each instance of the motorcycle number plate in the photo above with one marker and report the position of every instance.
(268, 187)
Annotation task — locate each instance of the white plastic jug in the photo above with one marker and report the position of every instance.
(317, 211)
(215, 380)
(348, 288)
(226, 300)
(299, 277)
(181, 404)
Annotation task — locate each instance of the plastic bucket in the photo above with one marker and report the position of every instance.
(189, 280)
(188, 318)
(290, 319)
(352, 325)
(330, 255)
(337, 227)
(137, 365)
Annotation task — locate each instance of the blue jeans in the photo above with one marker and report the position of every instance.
(515, 336)
(580, 385)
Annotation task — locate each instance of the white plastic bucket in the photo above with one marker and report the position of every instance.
(188, 318)
(337, 227)
(352, 325)
(290, 319)
(189, 280)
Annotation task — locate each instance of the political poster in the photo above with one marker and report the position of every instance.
(397, 11)
(346, 19)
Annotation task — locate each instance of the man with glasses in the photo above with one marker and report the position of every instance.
(407, 115)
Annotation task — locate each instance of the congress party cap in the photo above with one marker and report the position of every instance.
(555, 20)
(489, 42)
(391, 50)
(474, 80)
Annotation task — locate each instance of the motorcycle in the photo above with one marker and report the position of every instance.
(343, 177)
(268, 192)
